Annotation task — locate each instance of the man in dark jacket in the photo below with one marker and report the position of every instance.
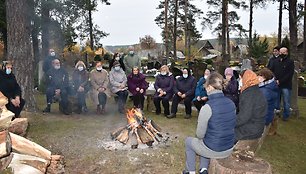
(274, 58)
(47, 65)
(57, 86)
(183, 90)
(283, 71)
(11, 90)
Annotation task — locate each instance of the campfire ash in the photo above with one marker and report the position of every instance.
(138, 130)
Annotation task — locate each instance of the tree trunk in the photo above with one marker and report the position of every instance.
(20, 47)
(293, 29)
(186, 29)
(175, 30)
(90, 29)
(4, 36)
(280, 23)
(223, 35)
(228, 40)
(250, 26)
(45, 17)
(304, 42)
(166, 29)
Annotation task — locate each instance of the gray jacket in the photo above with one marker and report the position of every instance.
(117, 80)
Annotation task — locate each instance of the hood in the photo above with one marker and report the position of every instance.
(249, 79)
(271, 84)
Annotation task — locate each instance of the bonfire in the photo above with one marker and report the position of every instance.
(138, 130)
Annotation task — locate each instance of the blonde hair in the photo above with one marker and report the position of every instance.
(80, 63)
(216, 81)
(166, 67)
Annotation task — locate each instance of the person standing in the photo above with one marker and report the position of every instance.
(215, 130)
(274, 58)
(164, 90)
(11, 89)
(137, 85)
(231, 89)
(99, 87)
(131, 60)
(57, 86)
(80, 85)
(283, 71)
(250, 121)
(117, 58)
(47, 65)
(118, 85)
(183, 90)
(200, 91)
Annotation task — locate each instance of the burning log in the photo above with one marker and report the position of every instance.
(138, 130)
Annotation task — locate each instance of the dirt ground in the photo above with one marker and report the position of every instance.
(81, 138)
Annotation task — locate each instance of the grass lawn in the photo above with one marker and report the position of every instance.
(77, 137)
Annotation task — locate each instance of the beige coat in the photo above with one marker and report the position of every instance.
(98, 80)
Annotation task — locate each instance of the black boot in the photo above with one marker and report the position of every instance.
(47, 109)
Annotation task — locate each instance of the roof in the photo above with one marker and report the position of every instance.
(179, 54)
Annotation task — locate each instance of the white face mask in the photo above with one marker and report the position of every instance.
(205, 76)
(99, 68)
(52, 53)
(117, 68)
(163, 73)
(117, 58)
(185, 75)
(131, 52)
(80, 68)
(57, 66)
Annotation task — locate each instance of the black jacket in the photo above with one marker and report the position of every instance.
(271, 63)
(251, 117)
(283, 71)
(9, 86)
(57, 79)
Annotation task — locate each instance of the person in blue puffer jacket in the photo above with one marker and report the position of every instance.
(215, 133)
(200, 97)
(270, 90)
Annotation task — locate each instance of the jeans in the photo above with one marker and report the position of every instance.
(177, 99)
(285, 94)
(191, 157)
(122, 96)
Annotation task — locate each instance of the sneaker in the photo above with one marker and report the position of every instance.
(171, 116)
(203, 171)
(187, 116)
(47, 109)
(84, 109)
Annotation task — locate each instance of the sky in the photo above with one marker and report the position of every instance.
(128, 20)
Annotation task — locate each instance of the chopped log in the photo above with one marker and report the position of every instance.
(5, 161)
(57, 165)
(28, 164)
(155, 126)
(123, 137)
(232, 165)
(144, 135)
(19, 126)
(5, 120)
(24, 146)
(5, 144)
(117, 132)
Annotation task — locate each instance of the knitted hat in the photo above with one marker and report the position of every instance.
(116, 63)
(229, 71)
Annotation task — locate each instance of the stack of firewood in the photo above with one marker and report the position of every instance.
(19, 155)
(138, 130)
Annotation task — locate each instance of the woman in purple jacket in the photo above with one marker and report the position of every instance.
(231, 89)
(164, 90)
(137, 85)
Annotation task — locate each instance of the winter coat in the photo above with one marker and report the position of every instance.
(137, 81)
(98, 80)
(47, 65)
(80, 78)
(270, 91)
(9, 86)
(185, 85)
(200, 90)
(231, 90)
(111, 62)
(116, 79)
(166, 83)
(131, 61)
(220, 134)
(57, 79)
(283, 71)
(271, 63)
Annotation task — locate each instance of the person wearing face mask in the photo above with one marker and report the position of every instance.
(11, 90)
(183, 90)
(99, 92)
(164, 90)
(118, 85)
(57, 87)
(137, 85)
(250, 121)
(131, 60)
(80, 85)
(269, 88)
(283, 71)
(47, 65)
(117, 58)
(215, 134)
(231, 89)
(200, 97)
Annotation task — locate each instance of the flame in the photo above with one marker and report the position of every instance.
(133, 115)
